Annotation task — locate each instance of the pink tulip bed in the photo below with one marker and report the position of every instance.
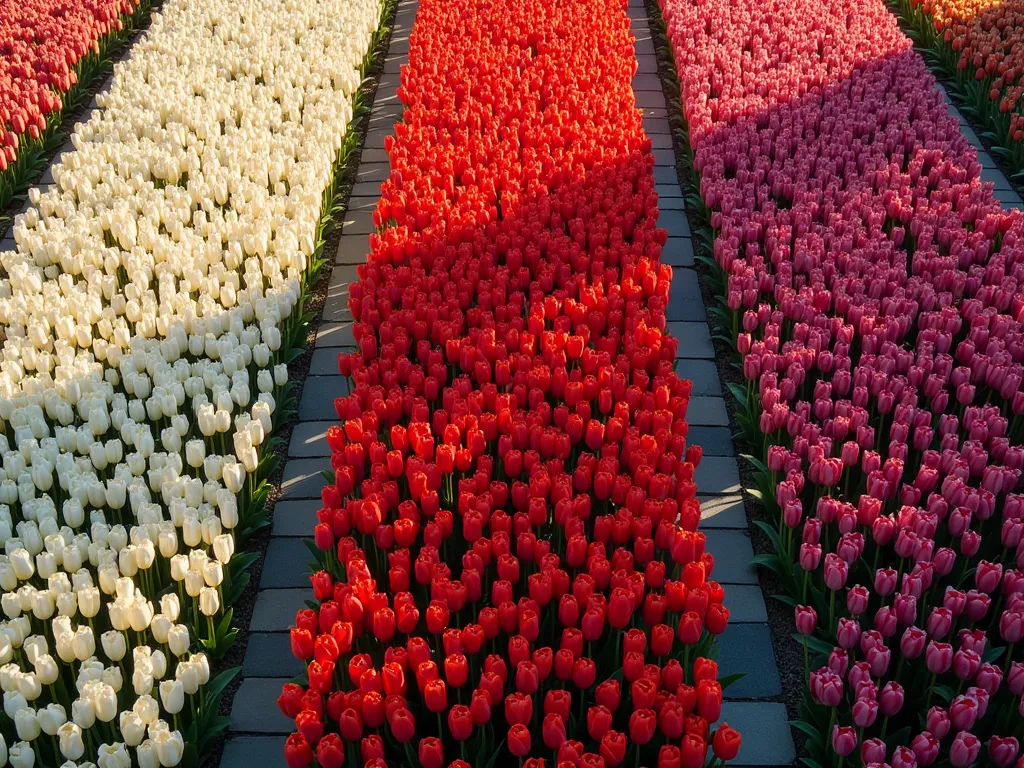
(869, 282)
(51, 51)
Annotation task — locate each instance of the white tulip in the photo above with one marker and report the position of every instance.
(83, 713)
(51, 719)
(114, 645)
(69, 736)
(113, 756)
(26, 724)
(170, 746)
(178, 640)
(21, 755)
(133, 729)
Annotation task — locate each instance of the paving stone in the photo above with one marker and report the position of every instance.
(393, 66)
(270, 655)
(295, 518)
(674, 221)
(375, 138)
(661, 141)
(387, 98)
(275, 609)
(644, 46)
(373, 156)
(655, 113)
(748, 648)
(358, 222)
(1008, 198)
(255, 710)
(325, 362)
(247, 751)
(647, 63)
(678, 252)
(335, 335)
(996, 177)
(8, 244)
(718, 475)
(767, 739)
(47, 177)
(732, 552)
(971, 136)
(318, 395)
(664, 158)
(684, 299)
(309, 439)
(353, 249)
(336, 308)
(366, 188)
(671, 203)
(745, 604)
(667, 192)
(716, 441)
(703, 374)
(368, 171)
(694, 340)
(652, 99)
(715, 512)
(986, 160)
(364, 202)
(287, 564)
(647, 82)
(707, 412)
(302, 479)
(654, 124)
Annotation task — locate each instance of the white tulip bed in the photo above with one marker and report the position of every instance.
(149, 312)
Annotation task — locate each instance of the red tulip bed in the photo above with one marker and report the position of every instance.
(872, 285)
(50, 50)
(510, 568)
(976, 46)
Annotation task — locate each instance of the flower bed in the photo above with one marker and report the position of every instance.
(149, 313)
(501, 571)
(976, 47)
(52, 51)
(870, 282)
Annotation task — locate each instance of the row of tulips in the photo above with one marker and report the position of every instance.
(51, 52)
(869, 283)
(149, 312)
(977, 47)
(509, 566)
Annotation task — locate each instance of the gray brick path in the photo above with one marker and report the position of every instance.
(746, 645)
(258, 729)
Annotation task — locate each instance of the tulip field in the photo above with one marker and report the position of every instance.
(509, 562)
(976, 47)
(52, 51)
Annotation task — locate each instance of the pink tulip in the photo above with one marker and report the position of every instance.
(964, 750)
(844, 740)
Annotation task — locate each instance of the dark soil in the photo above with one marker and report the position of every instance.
(780, 620)
(297, 371)
(78, 113)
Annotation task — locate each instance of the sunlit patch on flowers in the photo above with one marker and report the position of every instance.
(872, 284)
(509, 562)
(149, 312)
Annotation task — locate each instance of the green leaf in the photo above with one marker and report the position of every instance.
(807, 729)
(814, 643)
(740, 394)
(771, 562)
(756, 463)
(328, 476)
(810, 763)
(728, 680)
(498, 751)
(786, 600)
(993, 654)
